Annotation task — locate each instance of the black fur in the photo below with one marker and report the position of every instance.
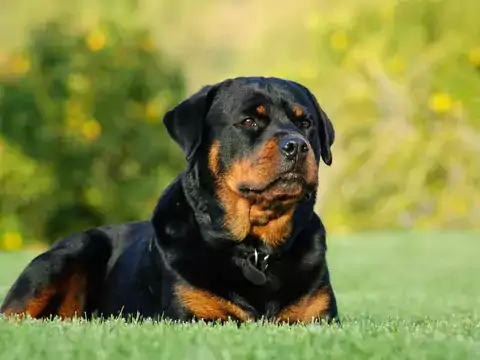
(133, 269)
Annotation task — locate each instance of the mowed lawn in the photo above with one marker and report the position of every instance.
(401, 296)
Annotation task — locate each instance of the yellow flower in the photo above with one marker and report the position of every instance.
(339, 40)
(152, 111)
(474, 56)
(20, 64)
(91, 130)
(12, 241)
(440, 103)
(96, 40)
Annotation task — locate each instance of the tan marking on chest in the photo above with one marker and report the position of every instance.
(205, 305)
(308, 308)
(276, 231)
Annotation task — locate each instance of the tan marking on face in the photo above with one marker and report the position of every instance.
(213, 158)
(261, 215)
(239, 211)
(297, 111)
(261, 110)
(311, 165)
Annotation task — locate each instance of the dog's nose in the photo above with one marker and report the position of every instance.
(293, 146)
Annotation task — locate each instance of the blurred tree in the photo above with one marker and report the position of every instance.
(84, 110)
(400, 80)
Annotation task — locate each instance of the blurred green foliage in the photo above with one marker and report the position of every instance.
(82, 139)
(401, 82)
(81, 104)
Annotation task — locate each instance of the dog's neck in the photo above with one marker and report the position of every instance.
(188, 219)
(224, 215)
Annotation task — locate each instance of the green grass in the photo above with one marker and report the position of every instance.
(409, 296)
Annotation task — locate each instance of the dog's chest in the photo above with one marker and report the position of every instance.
(204, 305)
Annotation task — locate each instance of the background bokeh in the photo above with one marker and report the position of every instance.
(84, 85)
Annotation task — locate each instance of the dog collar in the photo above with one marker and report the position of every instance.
(254, 266)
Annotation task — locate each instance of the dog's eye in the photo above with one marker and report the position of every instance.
(305, 124)
(249, 122)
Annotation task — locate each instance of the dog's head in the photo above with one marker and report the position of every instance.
(261, 140)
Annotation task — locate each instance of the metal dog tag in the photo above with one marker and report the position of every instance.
(252, 273)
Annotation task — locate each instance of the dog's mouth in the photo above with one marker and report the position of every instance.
(287, 180)
(286, 185)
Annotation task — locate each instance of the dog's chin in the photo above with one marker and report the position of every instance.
(287, 186)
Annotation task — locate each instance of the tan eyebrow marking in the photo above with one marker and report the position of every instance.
(297, 111)
(261, 110)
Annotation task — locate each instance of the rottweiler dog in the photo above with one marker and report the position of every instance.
(234, 236)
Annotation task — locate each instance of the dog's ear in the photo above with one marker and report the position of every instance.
(326, 134)
(326, 131)
(186, 122)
